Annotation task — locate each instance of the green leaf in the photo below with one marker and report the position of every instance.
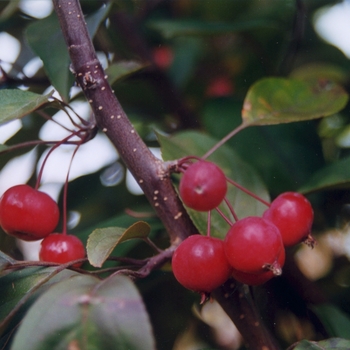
(18, 287)
(46, 40)
(195, 143)
(314, 71)
(84, 313)
(183, 27)
(120, 70)
(102, 241)
(336, 322)
(328, 344)
(334, 175)
(15, 104)
(278, 100)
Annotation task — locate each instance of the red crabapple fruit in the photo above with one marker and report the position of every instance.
(253, 245)
(203, 186)
(200, 264)
(27, 213)
(60, 248)
(292, 213)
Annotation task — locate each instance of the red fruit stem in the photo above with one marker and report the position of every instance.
(65, 191)
(225, 139)
(209, 223)
(231, 209)
(224, 216)
(59, 143)
(234, 183)
(49, 117)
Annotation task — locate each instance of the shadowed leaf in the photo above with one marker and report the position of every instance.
(84, 313)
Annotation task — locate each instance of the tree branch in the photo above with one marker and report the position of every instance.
(150, 172)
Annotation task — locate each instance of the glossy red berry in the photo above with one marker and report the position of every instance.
(200, 264)
(256, 279)
(292, 213)
(203, 186)
(27, 213)
(60, 248)
(254, 245)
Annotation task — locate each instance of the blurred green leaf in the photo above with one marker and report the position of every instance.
(328, 344)
(335, 321)
(16, 104)
(46, 40)
(316, 71)
(195, 143)
(285, 155)
(334, 175)
(183, 27)
(102, 241)
(278, 100)
(120, 70)
(85, 313)
(18, 287)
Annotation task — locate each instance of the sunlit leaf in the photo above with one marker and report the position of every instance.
(16, 104)
(334, 175)
(278, 100)
(84, 313)
(172, 28)
(46, 40)
(102, 241)
(195, 143)
(335, 321)
(328, 344)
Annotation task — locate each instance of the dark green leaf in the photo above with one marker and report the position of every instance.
(46, 40)
(336, 322)
(334, 175)
(102, 241)
(84, 313)
(328, 344)
(195, 143)
(278, 100)
(17, 287)
(120, 70)
(172, 28)
(16, 104)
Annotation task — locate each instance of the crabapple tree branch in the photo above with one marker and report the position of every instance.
(151, 173)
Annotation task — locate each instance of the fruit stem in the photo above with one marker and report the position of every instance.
(231, 209)
(223, 140)
(224, 216)
(245, 190)
(65, 191)
(209, 223)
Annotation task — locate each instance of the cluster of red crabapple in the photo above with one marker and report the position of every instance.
(31, 215)
(253, 250)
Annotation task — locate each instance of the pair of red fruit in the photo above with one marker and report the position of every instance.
(31, 215)
(253, 250)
